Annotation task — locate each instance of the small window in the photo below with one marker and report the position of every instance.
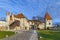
(49, 23)
(6, 28)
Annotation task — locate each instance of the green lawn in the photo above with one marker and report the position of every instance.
(4, 33)
(48, 35)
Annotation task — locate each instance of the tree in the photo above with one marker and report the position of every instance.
(37, 21)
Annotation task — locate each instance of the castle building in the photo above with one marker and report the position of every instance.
(20, 22)
(48, 21)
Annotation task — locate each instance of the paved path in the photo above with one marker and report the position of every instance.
(25, 35)
(34, 36)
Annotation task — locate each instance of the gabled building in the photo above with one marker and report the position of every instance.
(20, 22)
(48, 21)
(17, 22)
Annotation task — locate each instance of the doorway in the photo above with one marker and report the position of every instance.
(32, 27)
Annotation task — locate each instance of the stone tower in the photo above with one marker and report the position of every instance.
(8, 16)
(48, 21)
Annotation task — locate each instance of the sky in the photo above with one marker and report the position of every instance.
(31, 8)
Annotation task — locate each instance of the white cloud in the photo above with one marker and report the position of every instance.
(58, 3)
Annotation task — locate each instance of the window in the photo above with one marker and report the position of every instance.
(25, 27)
(6, 28)
(49, 23)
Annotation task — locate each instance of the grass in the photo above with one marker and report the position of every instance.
(4, 33)
(48, 35)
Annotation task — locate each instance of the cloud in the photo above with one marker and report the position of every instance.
(58, 3)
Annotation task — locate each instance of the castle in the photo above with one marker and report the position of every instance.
(20, 22)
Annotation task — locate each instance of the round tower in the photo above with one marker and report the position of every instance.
(8, 16)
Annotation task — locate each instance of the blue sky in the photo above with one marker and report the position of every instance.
(31, 8)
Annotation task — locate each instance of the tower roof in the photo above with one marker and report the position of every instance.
(47, 16)
(20, 15)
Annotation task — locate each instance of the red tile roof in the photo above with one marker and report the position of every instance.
(47, 16)
(17, 16)
(20, 15)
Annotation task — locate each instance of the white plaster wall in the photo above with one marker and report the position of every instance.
(41, 26)
(23, 23)
(3, 23)
(8, 18)
(31, 23)
(47, 23)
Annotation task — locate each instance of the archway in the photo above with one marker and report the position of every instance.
(32, 27)
(25, 28)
